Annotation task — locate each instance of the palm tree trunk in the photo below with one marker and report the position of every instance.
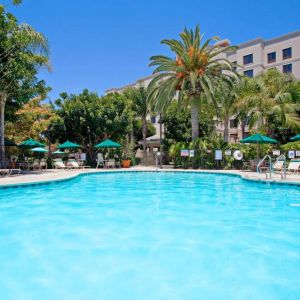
(195, 118)
(243, 128)
(226, 130)
(2, 130)
(144, 132)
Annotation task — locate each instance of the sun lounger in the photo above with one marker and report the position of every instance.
(15, 171)
(58, 164)
(4, 172)
(111, 163)
(278, 166)
(293, 166)
(8, 172)
(43, 164)
(72, 164)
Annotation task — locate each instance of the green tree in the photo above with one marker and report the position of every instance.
(191, 74)
(139, 98)
(22, 52)
(226, 98)
(89, 118)
(271, 97)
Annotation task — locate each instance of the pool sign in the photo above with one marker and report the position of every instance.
(291, 154)
(218, 155)
(192, 153)
(276, 152)
(184, 153)
(297, 153)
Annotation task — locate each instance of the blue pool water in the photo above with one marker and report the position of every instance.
(150, 236)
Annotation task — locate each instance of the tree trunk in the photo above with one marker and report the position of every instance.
(144, 132)
(160, 141)
(195, 118)
(226, 130)
(243, 128)
(2, 130)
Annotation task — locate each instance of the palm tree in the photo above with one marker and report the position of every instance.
(140, 105)
(247, 94)
(271, 95)
(226, 98)
(190, 74)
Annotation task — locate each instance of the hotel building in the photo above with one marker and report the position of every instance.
(252, 58)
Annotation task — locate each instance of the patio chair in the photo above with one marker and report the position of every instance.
(82, 165)
(293, 166)
(72, 164)
(278, 166)
(58, 164)
(100, 160)
(111, 163)
(43, 164)
(36, 165)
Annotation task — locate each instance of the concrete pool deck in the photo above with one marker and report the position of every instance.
(60, 175)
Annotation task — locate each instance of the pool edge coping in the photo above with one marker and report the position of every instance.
(86, 173)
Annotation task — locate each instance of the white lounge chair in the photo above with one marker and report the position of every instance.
(58, 164)
(73, 164)
(111, 163)
(100, 161)
(4, 172)
(293, 166)
(278, 166)
(43, 164)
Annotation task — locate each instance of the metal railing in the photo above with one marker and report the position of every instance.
(283, 172)
(259, 166)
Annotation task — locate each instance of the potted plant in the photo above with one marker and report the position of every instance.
(127, 154)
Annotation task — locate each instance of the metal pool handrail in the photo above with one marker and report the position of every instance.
(279, 158)
(258, 168)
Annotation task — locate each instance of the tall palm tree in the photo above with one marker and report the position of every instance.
(226, 98)
(141, 107)
(190, 73)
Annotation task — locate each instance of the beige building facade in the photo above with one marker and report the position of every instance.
(252, 58)
(258, 55)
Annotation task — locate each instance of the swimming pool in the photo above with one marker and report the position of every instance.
(150, 236)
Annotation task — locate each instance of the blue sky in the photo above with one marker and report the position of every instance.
(99, 44)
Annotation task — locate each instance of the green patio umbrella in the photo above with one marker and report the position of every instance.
(58, 152)
(296, 138)
(30, 143)
(39, 150)
(108, 144)
(68, 145)
(258, 139)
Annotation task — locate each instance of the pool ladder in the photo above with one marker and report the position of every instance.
(270, 171)
(259, 166)
(283, 172)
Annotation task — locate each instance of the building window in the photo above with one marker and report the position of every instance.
(248, 59)
(153, 119)
(234, 123)
(287, 68)
(271, 57)
(248, 73)
(234, 65)
(287, 53)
